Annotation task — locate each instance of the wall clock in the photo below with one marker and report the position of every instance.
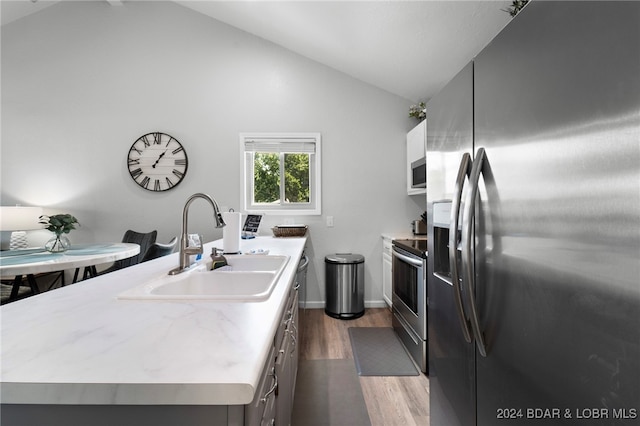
(157, 162)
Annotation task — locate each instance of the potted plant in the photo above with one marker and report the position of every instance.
(58, 224)
(418, 111)
(516, 6)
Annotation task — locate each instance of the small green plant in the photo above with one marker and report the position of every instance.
(418, 111)
(516, 5)
(59, 224)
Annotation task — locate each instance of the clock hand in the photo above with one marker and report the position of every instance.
(156, 163)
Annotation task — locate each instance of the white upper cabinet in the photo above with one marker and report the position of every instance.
(416, 149)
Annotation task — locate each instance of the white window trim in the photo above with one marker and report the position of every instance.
(315, 207)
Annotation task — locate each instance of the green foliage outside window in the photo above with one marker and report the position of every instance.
(266, 171)
(268, 181)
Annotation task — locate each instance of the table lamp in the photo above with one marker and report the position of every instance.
(19, 219)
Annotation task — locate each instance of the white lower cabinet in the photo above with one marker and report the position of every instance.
(387, 272)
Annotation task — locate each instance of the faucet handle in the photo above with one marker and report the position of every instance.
(194, 240)
(194, 244)
(193, 250)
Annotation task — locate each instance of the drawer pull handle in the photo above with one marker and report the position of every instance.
(273, 388)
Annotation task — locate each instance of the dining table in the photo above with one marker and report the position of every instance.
(33, 261)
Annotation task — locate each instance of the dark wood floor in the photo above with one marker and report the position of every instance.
(391, 401)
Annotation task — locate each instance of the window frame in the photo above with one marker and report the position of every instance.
(314, 207)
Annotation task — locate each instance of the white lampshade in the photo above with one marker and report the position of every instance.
(19, 219)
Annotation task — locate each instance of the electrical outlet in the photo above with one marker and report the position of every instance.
(329, 221)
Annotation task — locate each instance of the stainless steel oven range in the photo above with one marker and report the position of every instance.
(409, 297)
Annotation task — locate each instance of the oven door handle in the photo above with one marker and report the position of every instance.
(467, 238)
(463, 171)
(409, 260)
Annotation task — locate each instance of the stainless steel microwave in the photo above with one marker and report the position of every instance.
(419, 173)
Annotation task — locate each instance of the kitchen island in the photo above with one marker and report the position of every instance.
(81, 354)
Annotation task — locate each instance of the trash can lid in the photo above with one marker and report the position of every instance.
(344, 258)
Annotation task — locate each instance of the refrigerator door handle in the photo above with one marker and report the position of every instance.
(463, 171)
(468, 276)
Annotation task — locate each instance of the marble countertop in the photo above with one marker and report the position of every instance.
(81, 345)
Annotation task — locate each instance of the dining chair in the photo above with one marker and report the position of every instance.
(22, 286)
(145, 240)
(8, 292)
(156, 250)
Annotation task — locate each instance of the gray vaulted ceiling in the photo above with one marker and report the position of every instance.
(409, 48)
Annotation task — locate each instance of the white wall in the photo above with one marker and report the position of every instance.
(81, 81)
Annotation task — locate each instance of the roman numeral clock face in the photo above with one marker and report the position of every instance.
(157, 162)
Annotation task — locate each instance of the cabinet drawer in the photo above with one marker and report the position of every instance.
(269, 415)
(255, 411)
(286, 316)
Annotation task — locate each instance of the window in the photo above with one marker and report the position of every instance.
(281, 173)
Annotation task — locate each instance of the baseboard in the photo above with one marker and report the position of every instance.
(321, 304)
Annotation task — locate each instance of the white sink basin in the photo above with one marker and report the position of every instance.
(256, 262)
(249, 278)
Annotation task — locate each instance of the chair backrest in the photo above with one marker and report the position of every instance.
(158, 250)
(145, 240)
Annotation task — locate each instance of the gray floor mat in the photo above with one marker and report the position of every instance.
(328, 393)
(379, 352)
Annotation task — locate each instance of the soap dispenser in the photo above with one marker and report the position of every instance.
(217, 259)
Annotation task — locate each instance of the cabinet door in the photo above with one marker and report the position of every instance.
(260, 408)
(269, 415)
(283, 371)
(416, 149)
(387, 276)
(386, 271)
(295, 349)
(287, 366)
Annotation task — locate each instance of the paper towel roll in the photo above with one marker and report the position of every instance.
(231, 232)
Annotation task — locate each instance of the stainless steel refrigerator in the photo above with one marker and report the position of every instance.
(533, 206)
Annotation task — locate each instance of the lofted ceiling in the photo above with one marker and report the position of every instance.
(409, 48)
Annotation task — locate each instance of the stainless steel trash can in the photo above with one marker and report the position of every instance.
(344, 279)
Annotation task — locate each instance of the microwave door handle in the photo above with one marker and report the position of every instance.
(463, 171)
(467, 237)
(409, 260)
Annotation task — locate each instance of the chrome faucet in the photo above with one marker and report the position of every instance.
(185, 250)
